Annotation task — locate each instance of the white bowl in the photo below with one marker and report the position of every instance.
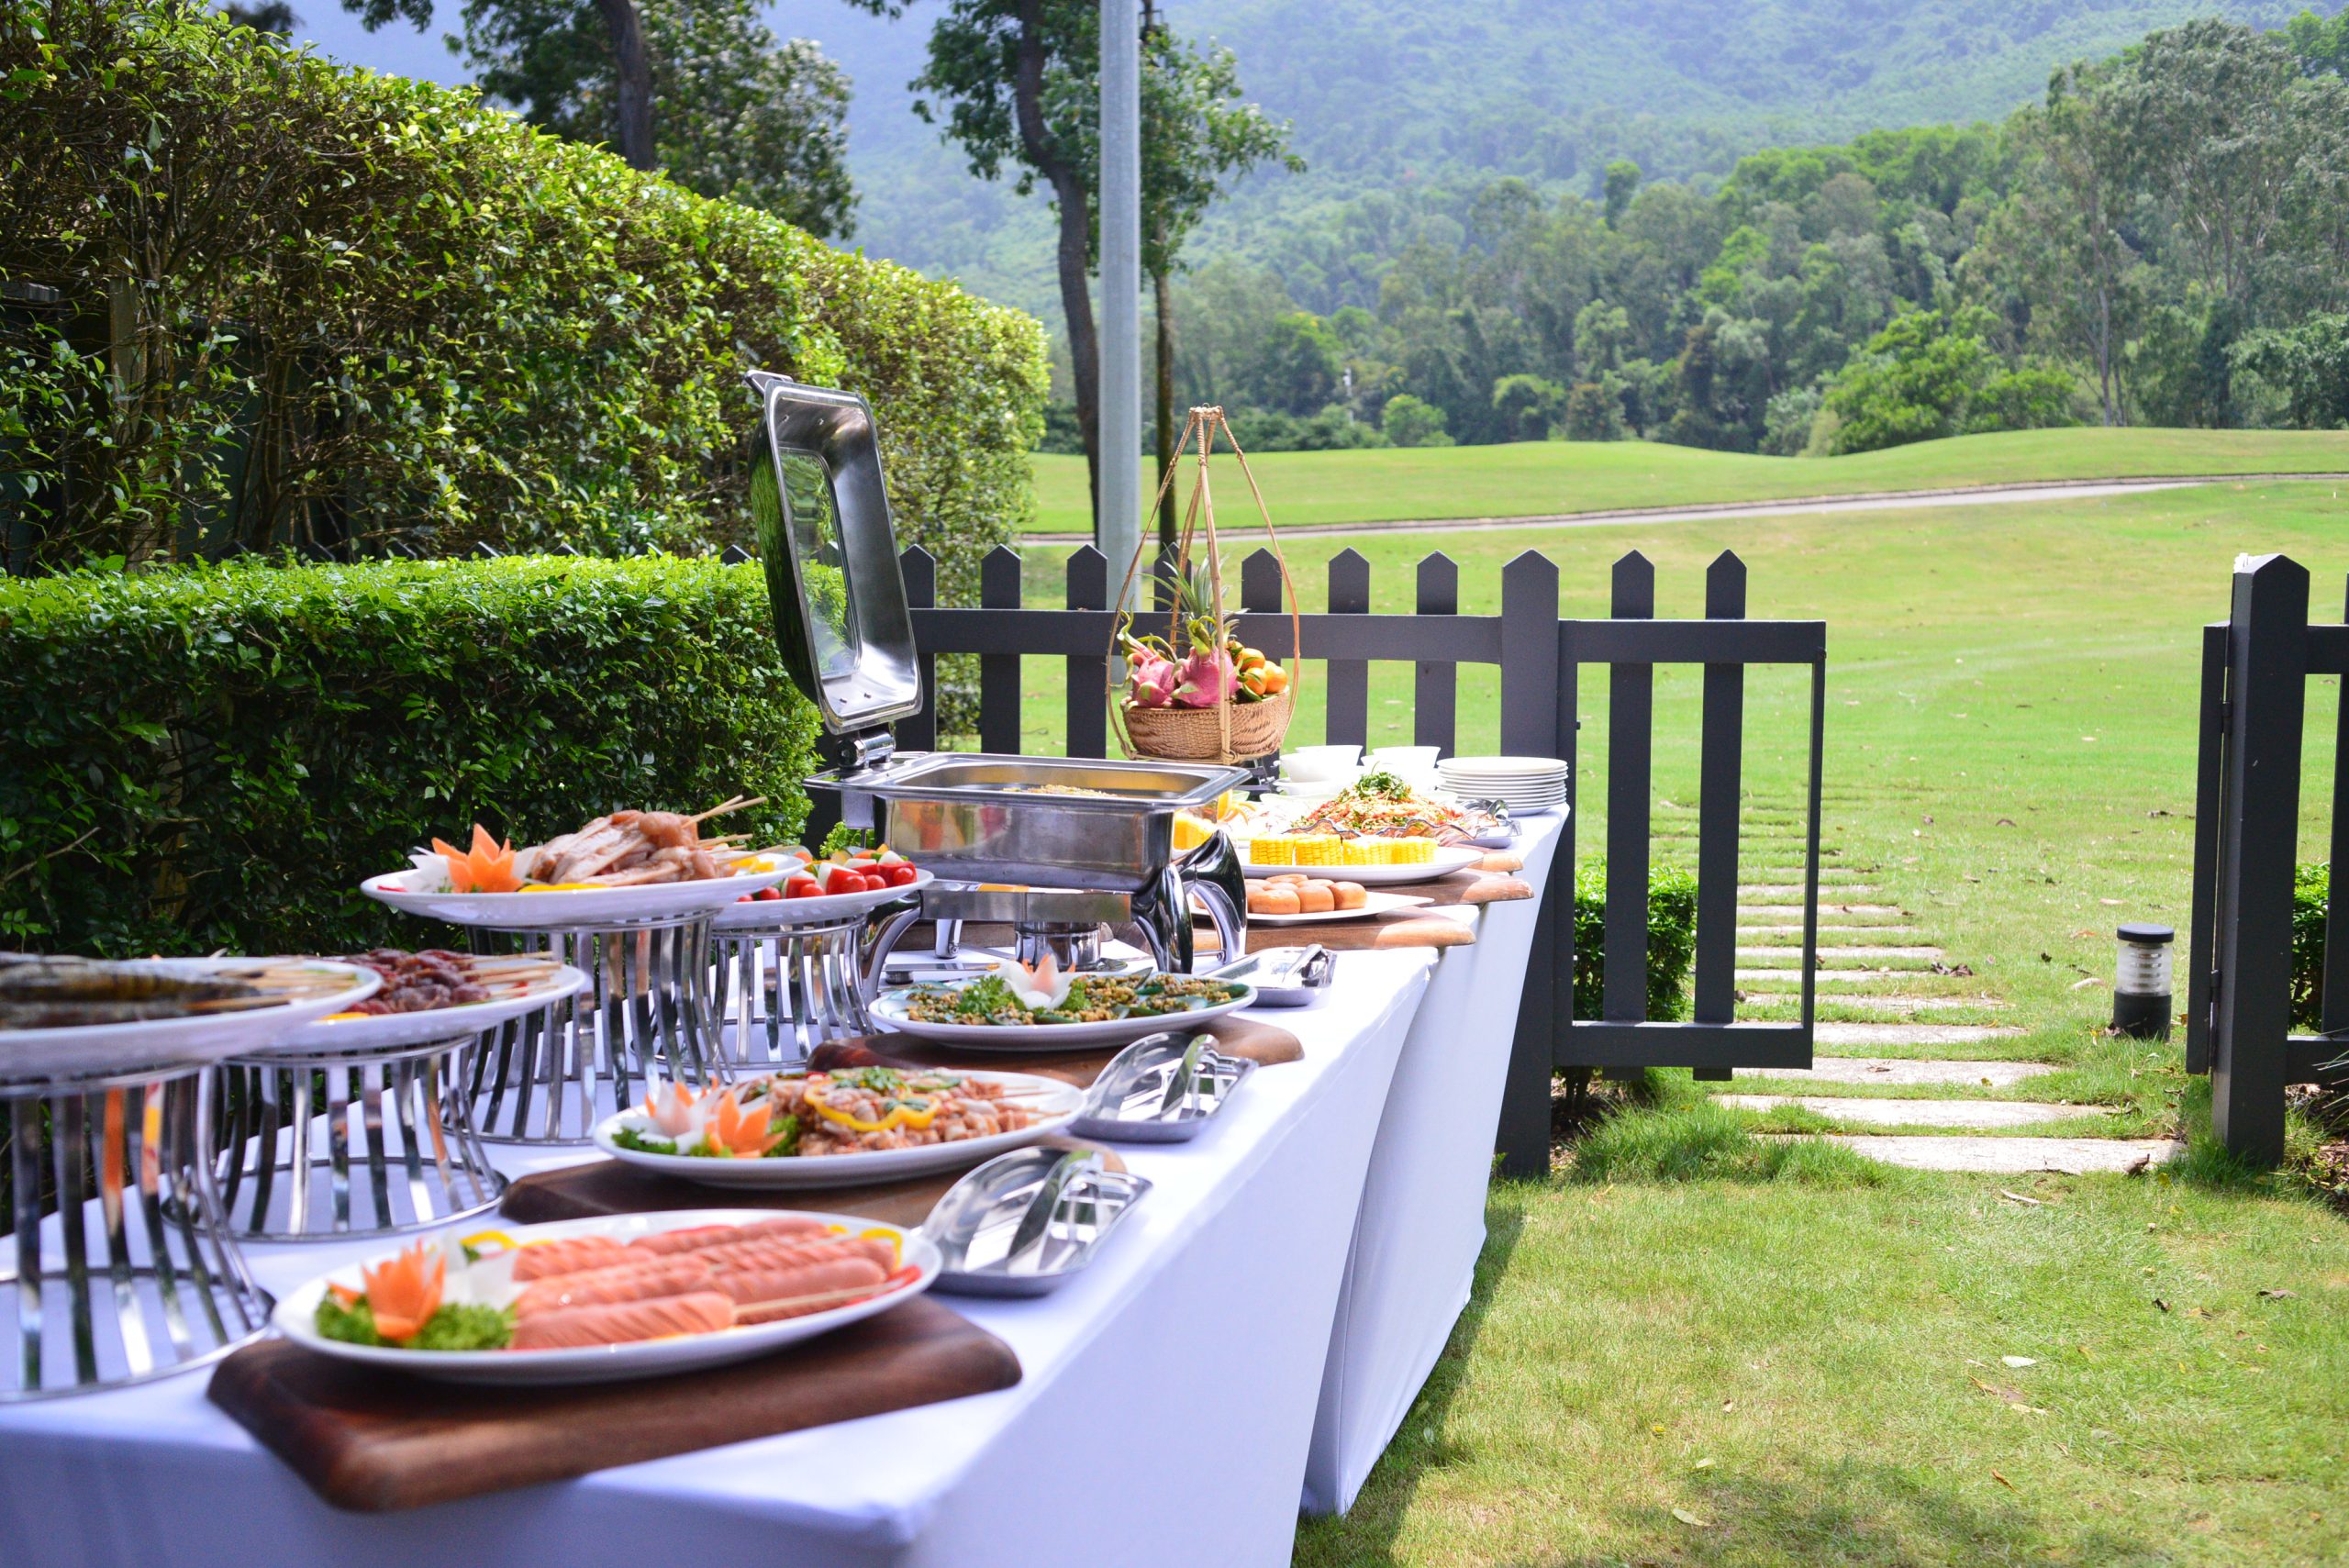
(1315, 764)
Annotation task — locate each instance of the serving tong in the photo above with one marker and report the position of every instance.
(1161, 1089)
(1024, 1222)
(1284, 977)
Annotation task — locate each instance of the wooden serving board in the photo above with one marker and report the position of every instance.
(1402, 929)
(374, 1441)
(604, 1188)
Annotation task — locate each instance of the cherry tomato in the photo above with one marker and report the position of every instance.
(901, 874)
(769, 894)
(800, 887)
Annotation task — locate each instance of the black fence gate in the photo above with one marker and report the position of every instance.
(1540, 658)
(2256, 669)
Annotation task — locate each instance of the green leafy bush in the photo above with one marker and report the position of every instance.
(216, 756)
(297, 303)
(2312, 884)
(1672, 941)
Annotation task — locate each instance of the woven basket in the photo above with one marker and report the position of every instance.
(1197, 734)
(1230, 731)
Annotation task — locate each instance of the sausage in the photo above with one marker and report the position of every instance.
(601, 1287)
(696, 1238)
(543, 1260)
(752, 1256)
(834, 1275)
(621, 1323)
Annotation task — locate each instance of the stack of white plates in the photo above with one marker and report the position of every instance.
(1524, 785)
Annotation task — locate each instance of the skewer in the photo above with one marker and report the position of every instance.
(738, 802)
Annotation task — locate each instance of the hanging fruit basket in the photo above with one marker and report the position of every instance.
(1199, 693)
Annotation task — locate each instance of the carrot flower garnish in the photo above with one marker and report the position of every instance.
(734, 1133)
(405, 1293)
(486, 867)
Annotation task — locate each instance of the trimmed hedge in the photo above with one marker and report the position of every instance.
(301, 303)
(2312, 886)
(216, 756)
(1672, 941)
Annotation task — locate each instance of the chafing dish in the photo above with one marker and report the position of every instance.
(841, 619)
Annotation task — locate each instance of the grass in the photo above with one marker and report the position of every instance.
(2011, 702)
(1695, 1362)
(1546, 478)
(2012, 732)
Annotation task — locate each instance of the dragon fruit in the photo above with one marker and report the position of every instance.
(1150, 674)
(1208, 678)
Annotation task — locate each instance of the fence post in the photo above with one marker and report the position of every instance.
(1534, 709)
(1722, 754)
(2333, 1000)
(1631, 735)
(918, 731)
(1345, 693)
(999, 673)
(2209, 809)
(1088, 676)
(1435, 689)
(2266, 675)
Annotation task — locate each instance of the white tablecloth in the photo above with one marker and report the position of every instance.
(1422, 1219)
(1163, 1416)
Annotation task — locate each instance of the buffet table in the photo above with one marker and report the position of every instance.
(1284, 1291)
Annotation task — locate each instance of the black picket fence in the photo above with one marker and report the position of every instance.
(1540, 657)
(2256, 669)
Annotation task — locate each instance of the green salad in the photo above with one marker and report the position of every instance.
(1092, 1000)
(452, 1327)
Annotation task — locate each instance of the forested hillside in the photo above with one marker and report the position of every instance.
(1385, 95)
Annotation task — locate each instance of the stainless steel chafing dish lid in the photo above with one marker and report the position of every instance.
(1063, 784)
(838, 597)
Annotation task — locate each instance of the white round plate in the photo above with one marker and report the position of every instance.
(387, 1031)
(889, 1010)
(1449, 858)
(580, 906)
(1053, 1101)
(1503, 767)
(297, 1311)
(1372, 903)
(761, 913)
(160, 1045)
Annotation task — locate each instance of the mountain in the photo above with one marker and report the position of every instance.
(1384, 95)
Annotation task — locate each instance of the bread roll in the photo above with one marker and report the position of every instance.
(1280, 900)
(1350, 894)
(1315, 898)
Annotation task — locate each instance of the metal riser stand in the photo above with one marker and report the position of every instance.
(550, 1076)
(121, 1267)
(784, 990)
(350, 1145)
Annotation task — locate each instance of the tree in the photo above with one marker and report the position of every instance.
(1017, 81)
(1526, 405)
(1408, 422)
(1622, 182)
(2308, 363)
(1295, 368)
(604, 43)
(1593, 414)
(264, 15)
(743, 116)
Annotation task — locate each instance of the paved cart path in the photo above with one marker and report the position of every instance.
(1899, 1072)
(1803, 505)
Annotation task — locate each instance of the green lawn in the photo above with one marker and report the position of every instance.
(1809, 1369)
(2011, 752)
(1547, 478)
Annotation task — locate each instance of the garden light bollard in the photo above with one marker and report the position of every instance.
(2140, 985)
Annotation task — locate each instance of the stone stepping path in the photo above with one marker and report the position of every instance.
(1855, 1035)
(1906, 1071)
(1829, 955)
(1920, 1113)
(1992, 1155)
(1869, 972)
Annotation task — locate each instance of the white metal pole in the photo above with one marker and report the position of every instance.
(1117, 527)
